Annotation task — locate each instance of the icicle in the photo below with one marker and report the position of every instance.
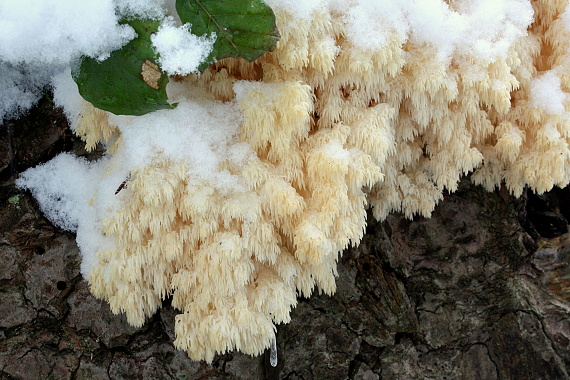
(273, 352)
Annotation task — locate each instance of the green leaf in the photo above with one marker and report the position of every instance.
(128, 82)
(244, 28)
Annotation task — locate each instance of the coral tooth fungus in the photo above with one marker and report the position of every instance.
(327, 125)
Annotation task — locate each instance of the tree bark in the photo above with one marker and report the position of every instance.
(474, 292)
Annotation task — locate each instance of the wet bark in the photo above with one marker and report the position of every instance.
(475, 292)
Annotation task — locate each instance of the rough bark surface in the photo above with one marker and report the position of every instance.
(475, 292)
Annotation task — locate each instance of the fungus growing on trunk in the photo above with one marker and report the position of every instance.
(244, 196)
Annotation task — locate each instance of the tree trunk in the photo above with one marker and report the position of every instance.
(474, 292)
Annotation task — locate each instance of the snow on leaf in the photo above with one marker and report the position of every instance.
(128, 82)
(244, 29)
